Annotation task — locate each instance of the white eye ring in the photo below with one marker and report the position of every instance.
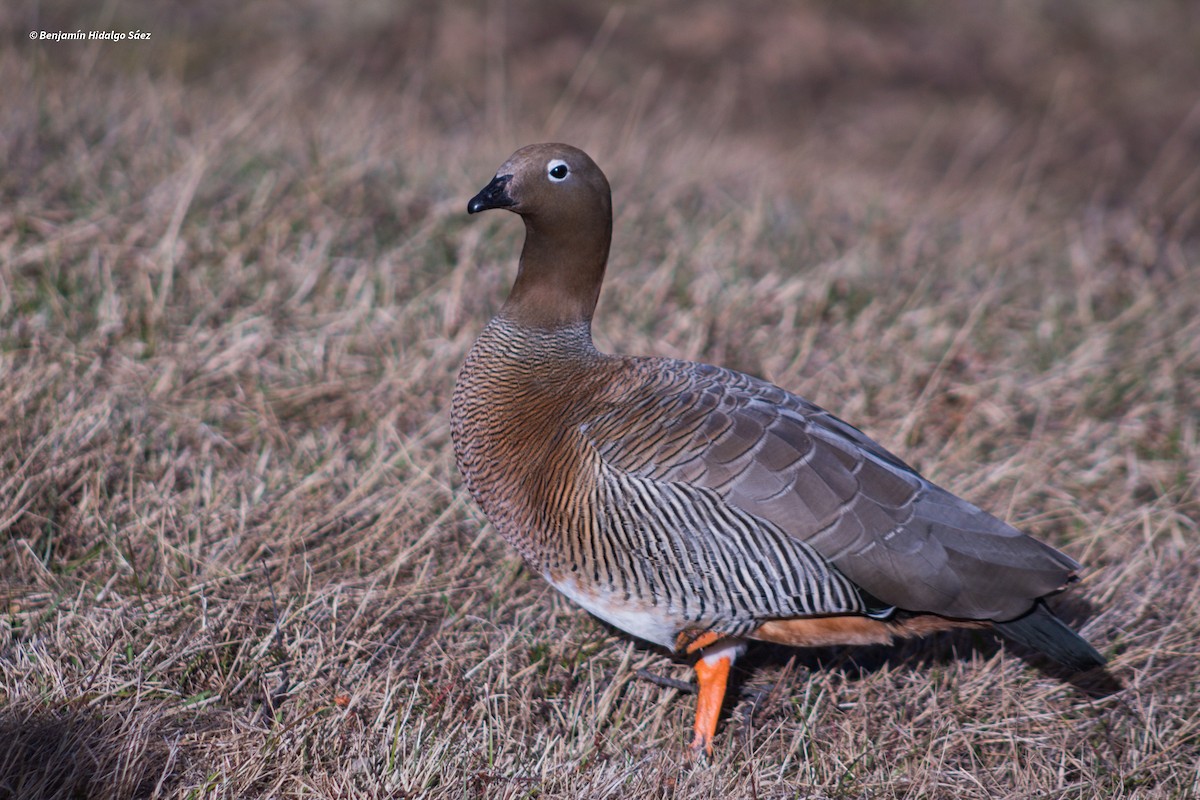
(557, 170)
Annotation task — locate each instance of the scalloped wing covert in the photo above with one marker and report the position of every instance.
(780, 458)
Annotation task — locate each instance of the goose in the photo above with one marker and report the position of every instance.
(699, 508)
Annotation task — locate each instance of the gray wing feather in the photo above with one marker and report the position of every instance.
(778, 457)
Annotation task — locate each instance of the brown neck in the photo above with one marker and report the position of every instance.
(562, 268)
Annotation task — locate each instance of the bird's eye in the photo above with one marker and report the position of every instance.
(558, 170)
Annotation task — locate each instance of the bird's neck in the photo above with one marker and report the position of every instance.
(560, 274)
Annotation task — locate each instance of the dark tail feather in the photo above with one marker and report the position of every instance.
(1046, 633)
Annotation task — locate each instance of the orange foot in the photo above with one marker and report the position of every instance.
(712, 673)
(713, 678)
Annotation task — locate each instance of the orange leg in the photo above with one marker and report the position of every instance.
(692, 640)
(713, 678)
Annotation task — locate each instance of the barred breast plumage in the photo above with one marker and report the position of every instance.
(697, 507)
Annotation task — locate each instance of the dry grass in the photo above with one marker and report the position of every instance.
(236, 281)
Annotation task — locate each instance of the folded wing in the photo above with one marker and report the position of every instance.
(774, 455)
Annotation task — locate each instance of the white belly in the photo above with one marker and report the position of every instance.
(652, 623)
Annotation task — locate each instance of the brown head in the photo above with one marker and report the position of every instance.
(566, 204)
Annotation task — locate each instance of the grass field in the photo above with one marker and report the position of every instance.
(237, 280)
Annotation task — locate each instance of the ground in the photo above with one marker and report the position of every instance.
(237, 279)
